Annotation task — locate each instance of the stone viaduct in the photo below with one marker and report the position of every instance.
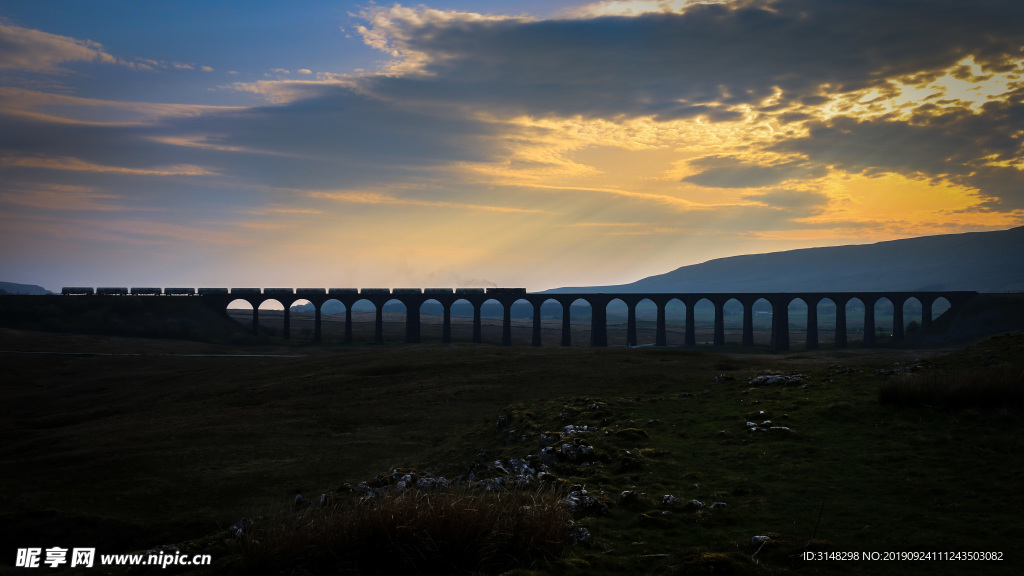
(414, 298)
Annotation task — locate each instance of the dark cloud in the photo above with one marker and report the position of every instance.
(731, 172)
(957, 145)
(701, 61)
(331, 137)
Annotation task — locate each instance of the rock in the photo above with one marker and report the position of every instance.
(670, 499)
(717, 505)
(580, 535)
(758, 540)
(696, 503)
(300, 502)
(775, 379)
(502, 423)
(238, 528)
(580, 501)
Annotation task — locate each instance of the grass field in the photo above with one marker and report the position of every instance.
(174, 442)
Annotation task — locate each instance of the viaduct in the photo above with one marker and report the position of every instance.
(414, 298)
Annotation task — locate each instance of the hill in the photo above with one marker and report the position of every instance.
(980, 261)
(31, 289)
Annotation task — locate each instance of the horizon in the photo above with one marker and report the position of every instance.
(534, 144)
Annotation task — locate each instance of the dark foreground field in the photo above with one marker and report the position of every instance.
(173, 442)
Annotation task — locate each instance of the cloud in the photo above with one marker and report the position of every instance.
(706, 61)
(38, 51)
(63, 197)
(981, 150)
(806, 201)
(364, 197)
(78, 165)
(731, 172)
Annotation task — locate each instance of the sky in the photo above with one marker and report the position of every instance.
(533, 143)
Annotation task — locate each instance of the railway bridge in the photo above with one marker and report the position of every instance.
(414, 298)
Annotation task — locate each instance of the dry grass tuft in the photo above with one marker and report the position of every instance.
(994, 387)
(450, 532)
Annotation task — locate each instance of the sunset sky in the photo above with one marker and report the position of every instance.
(534, 143)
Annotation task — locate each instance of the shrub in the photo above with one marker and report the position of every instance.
(993, 387)
(447, 532)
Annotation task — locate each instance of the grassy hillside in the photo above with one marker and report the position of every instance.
(979, 261)
(130, 452)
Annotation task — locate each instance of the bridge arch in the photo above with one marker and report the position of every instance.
(674, 312)
(645, 327)
(700, 322)
(335, 321)
(884, 315)
(855, 309)
(492, 330)
(729, 321)
(798, 315)
(557, 316)
(299, 314)
(241, 310)
(363, 326)
(581, 315)
(435, 320)
(518, 312)
(938, 307)
(620, 322)
(272, 322)
(392, 321)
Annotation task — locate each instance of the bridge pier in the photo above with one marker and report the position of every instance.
(748, 324)
(378, 329)
(566, 325)
(690, 334)
(477, 336)
(840, 322)
(659, 330)
(926, 314)
(631, 325)
(780, 326)
(869, 322)
(812, 325)
(412, 326)
(317, 328)
(598, 325)
(348, 323)
(506, 325)
(256, 320)
(719, 339)
(446, 329)
(536, 324)
(897, 320)
(287, 324)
